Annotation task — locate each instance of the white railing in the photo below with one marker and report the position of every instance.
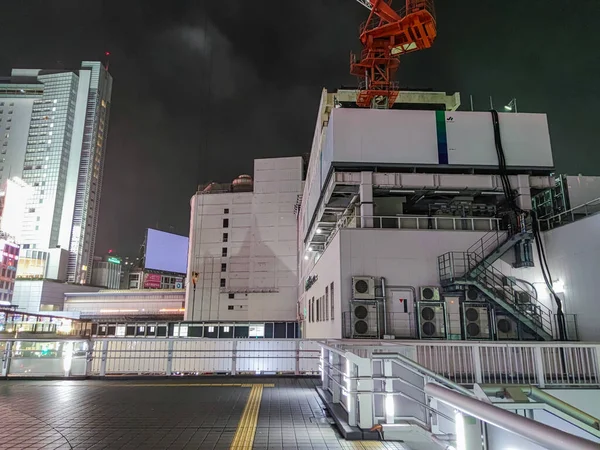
(587, 209)
(555, 364)
(161, 357)
(410, 222)
(552, 364)
(404, 399)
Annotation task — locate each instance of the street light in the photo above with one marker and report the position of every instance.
(512, 105)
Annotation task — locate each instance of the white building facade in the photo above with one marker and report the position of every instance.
(402, 234)
(242, 263)
(58, 123)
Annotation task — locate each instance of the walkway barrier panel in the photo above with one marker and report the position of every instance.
(45, 357)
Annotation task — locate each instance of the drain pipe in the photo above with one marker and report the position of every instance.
(539, 395)
(384, 300)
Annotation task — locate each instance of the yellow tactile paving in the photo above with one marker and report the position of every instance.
(264, 385)
(246, 429)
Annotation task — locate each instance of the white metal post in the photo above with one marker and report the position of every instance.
(539, 367)
(389, 401)
(476, 355)
(234, 357)
(297, 356)
(169, 368)
(364, 392)
(468, 432)
(6, 359)
(336, 389)
(103, 358)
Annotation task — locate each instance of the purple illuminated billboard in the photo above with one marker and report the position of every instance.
(166, 252)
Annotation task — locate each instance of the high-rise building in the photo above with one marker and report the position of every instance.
(53, 127)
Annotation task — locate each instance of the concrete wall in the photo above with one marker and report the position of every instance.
(328, 270)
(573, 253)
(412, 138)
(404, 258)
(260, 268)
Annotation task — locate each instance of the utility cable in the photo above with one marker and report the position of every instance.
(511, 200)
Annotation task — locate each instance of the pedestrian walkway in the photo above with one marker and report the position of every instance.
(259, 413)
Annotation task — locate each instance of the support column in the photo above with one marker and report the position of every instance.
(366, 199)
(523, 192)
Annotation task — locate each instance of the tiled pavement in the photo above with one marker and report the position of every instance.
(165, 414)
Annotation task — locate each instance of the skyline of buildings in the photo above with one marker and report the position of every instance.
(53, 128)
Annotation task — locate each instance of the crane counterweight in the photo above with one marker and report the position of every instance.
(386, 35)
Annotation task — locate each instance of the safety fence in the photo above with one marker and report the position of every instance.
(552, 364)
(557, 364)
(158, 357)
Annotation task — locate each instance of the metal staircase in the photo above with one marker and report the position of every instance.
(514, 297)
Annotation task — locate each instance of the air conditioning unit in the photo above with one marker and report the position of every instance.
(472, 295)
(477, 322)
(363, 288)
(431, 320)
(430, 294)
(506, 328)
(522, 297)
(364, 320)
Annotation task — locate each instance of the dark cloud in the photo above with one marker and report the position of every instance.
(202, 88)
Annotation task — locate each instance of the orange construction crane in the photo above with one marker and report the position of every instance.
(385, 36)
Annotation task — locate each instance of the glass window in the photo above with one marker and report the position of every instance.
(223, 282)
(225, 223)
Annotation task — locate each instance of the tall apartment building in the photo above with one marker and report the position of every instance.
(53, 127)
(242, 263)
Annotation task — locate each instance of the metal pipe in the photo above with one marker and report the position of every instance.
(539, 395)
(415, 367)
(537, 432)
(383, 294)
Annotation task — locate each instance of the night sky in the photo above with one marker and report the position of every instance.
(202, 88)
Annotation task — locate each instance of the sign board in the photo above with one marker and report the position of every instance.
(152, 281)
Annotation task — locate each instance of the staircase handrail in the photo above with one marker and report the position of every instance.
(509, 294)
(489, 241)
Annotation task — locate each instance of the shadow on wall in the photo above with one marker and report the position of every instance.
(247, 282)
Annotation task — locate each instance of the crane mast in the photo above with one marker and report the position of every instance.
(386, 35)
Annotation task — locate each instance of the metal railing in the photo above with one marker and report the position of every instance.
(411, 222)
(459, 268)
(387, 389)
(572, 215)
(545, 365)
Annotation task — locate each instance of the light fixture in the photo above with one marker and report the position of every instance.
(311, 249)
(558, 286)
(459, 424)
(389, 408)
(306, 257)
(319, 231)
(512, 105)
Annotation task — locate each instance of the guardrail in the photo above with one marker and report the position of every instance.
(159, 357)
(572, 215)
(552, 364)
(463, 362)
(407, 402)
(408, 222)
